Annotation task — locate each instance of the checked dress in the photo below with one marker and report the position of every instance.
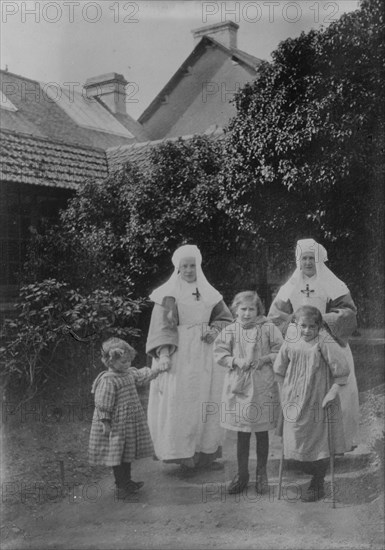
(116, 399)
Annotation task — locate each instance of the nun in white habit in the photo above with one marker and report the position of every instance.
(312, 283)
(184, 403)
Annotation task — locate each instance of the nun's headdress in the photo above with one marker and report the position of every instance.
(332, 285)
(175, 285)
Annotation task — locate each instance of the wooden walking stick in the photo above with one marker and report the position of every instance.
(280, 474)
(280, 427)
(330, 438)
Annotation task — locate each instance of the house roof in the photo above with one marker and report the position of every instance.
(43, 161)
(132, 126)
(63, 113)
(237, 55)
(88, 113)
(140, 153)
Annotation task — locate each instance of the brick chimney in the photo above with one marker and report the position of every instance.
(110, 88)
(225, 33)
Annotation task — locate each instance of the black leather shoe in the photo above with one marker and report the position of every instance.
(238, 484)
(139, 484)
(314, 492)
(262, 484)
(128, 494)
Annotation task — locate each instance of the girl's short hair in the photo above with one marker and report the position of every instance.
(309, 311)
(248, 296)
(114, 349)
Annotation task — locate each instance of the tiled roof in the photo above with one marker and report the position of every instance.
(55, 112)
(139, 153)
(41, 161)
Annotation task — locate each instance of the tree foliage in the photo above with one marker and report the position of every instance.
(305, 151)
(120, 235)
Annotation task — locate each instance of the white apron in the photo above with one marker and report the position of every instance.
(184, 402)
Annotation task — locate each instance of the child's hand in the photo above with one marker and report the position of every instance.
(106, 427)
(164, 363)
(264, 360)
(331, 395)
(243, 364)
(209, 335)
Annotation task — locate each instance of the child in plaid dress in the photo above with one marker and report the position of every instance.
(119, 430)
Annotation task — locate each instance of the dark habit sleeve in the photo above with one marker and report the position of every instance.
(220, 316)
(163, 329)
(281, 314)
(341, 318)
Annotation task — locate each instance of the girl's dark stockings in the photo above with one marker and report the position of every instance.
(243, 451)
(122, 474)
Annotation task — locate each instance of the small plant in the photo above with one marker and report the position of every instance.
(51, 320)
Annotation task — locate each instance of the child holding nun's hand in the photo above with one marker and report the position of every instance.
(119, 430)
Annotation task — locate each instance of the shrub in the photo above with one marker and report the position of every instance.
(55, 327)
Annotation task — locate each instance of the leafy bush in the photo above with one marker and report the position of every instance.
(120, 235)
(54, 323)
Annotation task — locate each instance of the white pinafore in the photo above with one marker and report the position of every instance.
(184, 402)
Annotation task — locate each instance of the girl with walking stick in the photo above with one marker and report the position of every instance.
(306, 360)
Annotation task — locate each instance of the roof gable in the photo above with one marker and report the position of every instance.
(185, 69)
(6, 103)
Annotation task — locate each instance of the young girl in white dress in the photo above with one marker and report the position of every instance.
(247, 349)
(306, 361)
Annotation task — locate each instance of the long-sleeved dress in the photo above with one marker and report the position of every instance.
(116, 399)
(339, 316)
(183, 412)
(250, 401)
(301, 369)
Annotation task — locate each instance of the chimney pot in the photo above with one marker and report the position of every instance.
(225, 33)
(110, 88)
